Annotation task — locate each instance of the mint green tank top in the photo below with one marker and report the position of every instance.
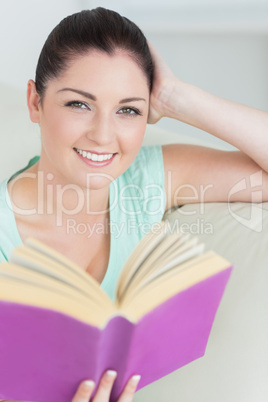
(137, 201)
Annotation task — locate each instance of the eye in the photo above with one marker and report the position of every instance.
(129, 111)
(78, 105)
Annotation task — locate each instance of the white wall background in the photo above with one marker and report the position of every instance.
(219, 45)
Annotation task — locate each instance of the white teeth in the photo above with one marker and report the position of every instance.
(94, 157)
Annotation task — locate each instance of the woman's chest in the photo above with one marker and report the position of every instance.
(91, 251)
(91, 254)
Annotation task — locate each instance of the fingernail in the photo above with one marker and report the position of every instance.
(88, 385)
(111, 373)
(135, 379)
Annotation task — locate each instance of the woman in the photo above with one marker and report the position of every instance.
(96, 87)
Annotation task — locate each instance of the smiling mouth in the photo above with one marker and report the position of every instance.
(94, 157)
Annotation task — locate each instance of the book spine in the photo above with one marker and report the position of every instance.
(114, 347)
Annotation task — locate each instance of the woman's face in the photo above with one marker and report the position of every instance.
(93, 118)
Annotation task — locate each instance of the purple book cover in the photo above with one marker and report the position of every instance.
(44, 355)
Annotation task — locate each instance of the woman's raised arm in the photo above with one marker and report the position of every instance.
(193, 169)
(244, 127)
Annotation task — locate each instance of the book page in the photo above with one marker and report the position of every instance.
(168, 254)
(161, 264)
(188, 251)
(143, 249)
(45, 263)
(24, 275)
(159, 252)
(165, 286)
(64, 301)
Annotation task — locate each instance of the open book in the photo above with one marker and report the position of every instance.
(58, 327)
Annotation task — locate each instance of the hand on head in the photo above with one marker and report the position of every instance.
(163, 83)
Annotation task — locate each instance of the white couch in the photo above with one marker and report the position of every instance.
(235, 366)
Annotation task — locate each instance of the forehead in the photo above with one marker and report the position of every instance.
(100, 72)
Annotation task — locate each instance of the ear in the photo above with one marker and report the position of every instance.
(33, 102)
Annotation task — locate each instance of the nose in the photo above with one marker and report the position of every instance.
(102, 130)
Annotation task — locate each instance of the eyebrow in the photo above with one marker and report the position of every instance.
(127, 100)
(93, 97)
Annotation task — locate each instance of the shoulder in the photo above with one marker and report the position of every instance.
(31, 163)
(3, 258)
(9, 237)
(4, 221)
(3, 196)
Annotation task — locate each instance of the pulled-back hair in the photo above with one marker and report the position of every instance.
(97, 29)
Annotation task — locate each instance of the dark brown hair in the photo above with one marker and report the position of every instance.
(98, 29)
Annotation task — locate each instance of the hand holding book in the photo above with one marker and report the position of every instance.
(86, 388)
(58, 327)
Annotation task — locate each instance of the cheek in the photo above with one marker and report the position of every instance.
(131, 137)
(58, 129)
